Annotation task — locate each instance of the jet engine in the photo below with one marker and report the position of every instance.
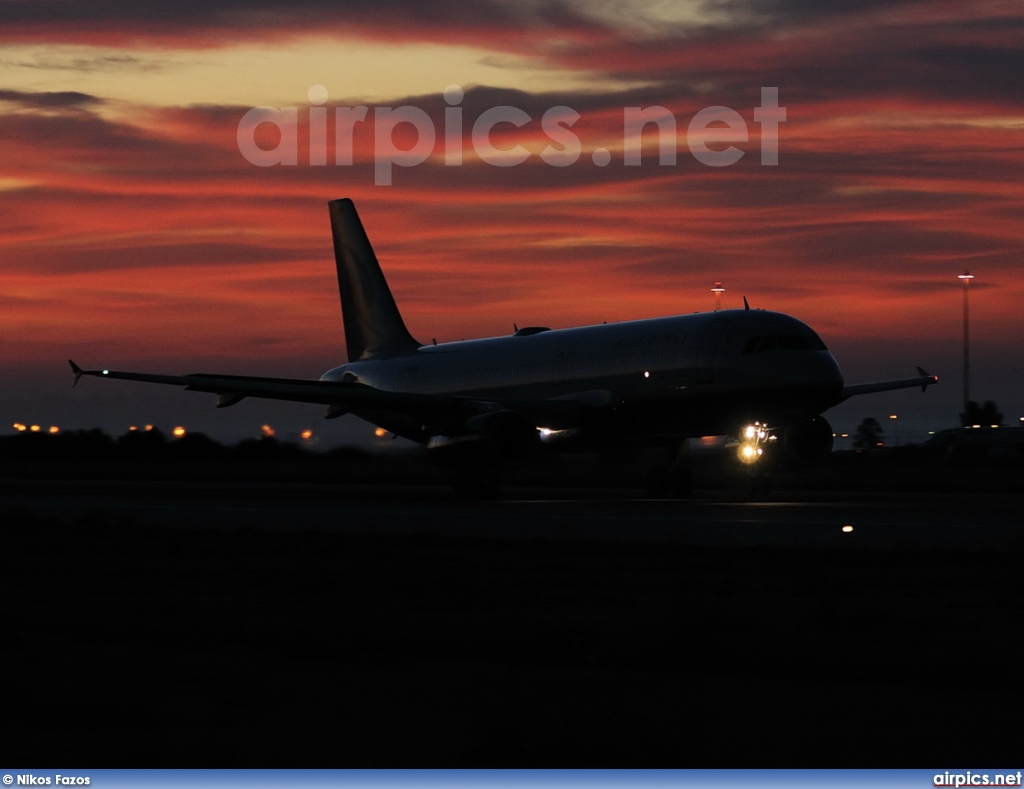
(808, 441)
(509, 436)
(506, 438)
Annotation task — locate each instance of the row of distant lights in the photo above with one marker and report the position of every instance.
(268, 432)
(178, 432)
(53, 429)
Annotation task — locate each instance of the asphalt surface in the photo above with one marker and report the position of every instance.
(842, 520)
(213, 624)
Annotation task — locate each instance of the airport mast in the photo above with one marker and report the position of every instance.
(966, 278)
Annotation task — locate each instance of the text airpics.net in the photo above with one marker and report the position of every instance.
(720, 126)
(968, 778)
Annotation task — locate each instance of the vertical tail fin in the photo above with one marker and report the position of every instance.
(373, 325)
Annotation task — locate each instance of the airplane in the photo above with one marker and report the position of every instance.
(764, 377)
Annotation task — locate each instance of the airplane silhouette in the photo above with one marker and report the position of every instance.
(762, 376)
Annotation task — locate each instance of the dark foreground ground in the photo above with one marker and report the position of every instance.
(214, 625)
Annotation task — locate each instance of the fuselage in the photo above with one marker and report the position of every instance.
(497, 400)
(704, 373)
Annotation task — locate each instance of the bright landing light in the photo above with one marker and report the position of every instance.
(754, 436)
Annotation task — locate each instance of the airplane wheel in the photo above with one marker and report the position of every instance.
(759, 486)
(658, 483)
(478, 486)
(680, 483)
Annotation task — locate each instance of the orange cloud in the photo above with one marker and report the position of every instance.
(132, 233)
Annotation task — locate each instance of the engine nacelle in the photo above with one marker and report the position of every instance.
(808, 441)
(504, 437)
(509, 436)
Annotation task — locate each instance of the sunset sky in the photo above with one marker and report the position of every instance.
(135, 235)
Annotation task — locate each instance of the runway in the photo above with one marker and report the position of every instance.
(279, 625)
(841, 520)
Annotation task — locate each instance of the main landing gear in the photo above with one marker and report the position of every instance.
(674, 481)
(670, 483)
(477, 484)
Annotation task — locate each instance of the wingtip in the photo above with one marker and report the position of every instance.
(934, 378)
(76, 373)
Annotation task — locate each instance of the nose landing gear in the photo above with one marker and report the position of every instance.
(755, 450)
(759, 485)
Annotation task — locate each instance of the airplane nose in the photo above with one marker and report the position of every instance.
(827, 372)
(831, 372)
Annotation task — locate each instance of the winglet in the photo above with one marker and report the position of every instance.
(926, 384)
(745, 305)
(77, 372)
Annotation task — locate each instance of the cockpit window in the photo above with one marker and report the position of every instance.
(805, 340)
(813, 340)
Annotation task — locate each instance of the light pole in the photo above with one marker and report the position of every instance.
(895, 429)
(718, 290)
(966, 278)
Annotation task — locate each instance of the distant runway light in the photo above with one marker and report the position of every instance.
(267, 431)
(178, 432)
(380, 432)
(307, 435)
(20, 427)
(35, 428)
(847, 528)
(54, 430)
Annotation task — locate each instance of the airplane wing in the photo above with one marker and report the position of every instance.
(342, 397)
(923, 380)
